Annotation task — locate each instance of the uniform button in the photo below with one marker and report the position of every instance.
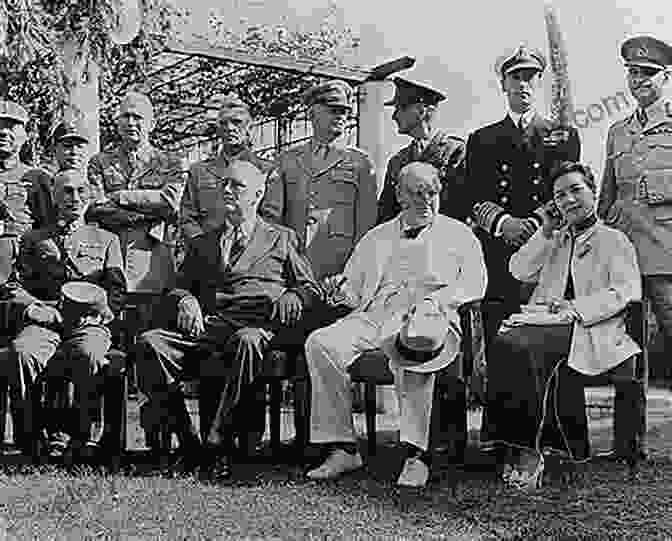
(313, 193)
(311, 220)
(503, 183)
(503, 200)
(536, 165)
(504, 167)
(535, 198)
(536, 181)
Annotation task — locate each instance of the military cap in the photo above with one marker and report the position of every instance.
(69, 129)
(336, 93)
(81, 299)
(232, 102)
(523, 57)
(646, 52)
(12, 110)
(407, 93)
(137, 103)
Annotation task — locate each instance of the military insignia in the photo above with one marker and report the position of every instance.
(583, 250)
(504, 167)
(642, 52)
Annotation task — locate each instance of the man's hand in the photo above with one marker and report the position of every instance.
(332, 285)
(517, 231)
(190, 317)
(552, 219)
(43, 314)
(288, 308)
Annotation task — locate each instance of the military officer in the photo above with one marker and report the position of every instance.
(66, 252)
(16, 183)
(138, 189)
(508, 164)
(201, 205)
(324, 190)
(70, 145)
(414, 111)
(636, 189)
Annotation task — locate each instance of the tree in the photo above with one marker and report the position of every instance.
(32, 33)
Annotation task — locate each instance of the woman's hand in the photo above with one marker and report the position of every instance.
(552, 219)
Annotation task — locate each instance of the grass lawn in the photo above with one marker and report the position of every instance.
(266, 501)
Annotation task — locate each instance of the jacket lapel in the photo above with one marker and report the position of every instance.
(305, 159)
(263, 240)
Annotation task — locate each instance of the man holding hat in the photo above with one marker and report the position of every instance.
(324, 190)
(404, 282)
(138, 192)
(201, 205)
(414, 111)
(242, 286)
(70, 145)
(508, 164)
(636, 189)
(59, 265)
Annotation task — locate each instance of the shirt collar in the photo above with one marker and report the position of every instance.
(404, 226)
(245, 229)
(527, 117)
(69, 227)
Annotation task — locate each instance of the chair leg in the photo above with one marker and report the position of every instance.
(370, 413)
(275, 407)
(302, 413)
(115, 396)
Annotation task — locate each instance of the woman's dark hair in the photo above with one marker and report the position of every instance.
(564, 168)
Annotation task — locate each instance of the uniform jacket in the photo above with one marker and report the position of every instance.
(457, 266)
(605, 277)
(330, 203)
(446, 153)
(150, 196)
(200, 209)
(40, 197)
(16, 182)
(270, 264)
(512, 171)
(88, 253)
(636, 190)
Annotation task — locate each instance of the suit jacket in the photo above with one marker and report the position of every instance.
(201, 203)
(88, 253)
(606, 278)
(636, 189)
(270, 264)
(446, 153)
(330, 203)
(511, 170)
(457, 266)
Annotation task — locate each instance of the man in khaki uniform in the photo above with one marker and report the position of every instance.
(139, 189)
(201, 205)
(324, 190)
(16, 183)
(70, 144)
(636, 190)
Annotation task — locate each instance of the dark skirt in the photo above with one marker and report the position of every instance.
(520, 370)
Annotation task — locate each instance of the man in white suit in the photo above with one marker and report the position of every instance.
(418, 262)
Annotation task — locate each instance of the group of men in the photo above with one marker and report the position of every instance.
(302, 252)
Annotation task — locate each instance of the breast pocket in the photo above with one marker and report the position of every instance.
(113, 179)
(90, 257)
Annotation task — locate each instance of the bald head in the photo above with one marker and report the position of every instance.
(72, 194)
(418, 192)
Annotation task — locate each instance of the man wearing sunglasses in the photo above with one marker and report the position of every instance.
(636, 190)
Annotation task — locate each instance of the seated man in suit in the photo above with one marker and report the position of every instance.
(242, 283)
(66, 252)
(418, 263)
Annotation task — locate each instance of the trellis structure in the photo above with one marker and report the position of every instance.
(187, 82)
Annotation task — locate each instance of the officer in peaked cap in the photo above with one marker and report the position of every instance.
(70, 144)
(415, 108)
(507, 167)
(636, 189)
(138, 189)
(16, 185)
(324, 189)
(200, 211)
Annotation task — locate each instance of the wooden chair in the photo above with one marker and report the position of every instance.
(372, 369)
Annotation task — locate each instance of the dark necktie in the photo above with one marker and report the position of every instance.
(413, 232)
(237, 249)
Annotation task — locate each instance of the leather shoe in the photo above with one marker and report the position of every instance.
(415, 474)
(336, 464)
(616, 455)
